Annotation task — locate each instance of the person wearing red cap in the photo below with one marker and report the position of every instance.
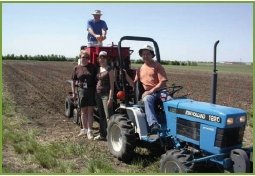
(97, 29)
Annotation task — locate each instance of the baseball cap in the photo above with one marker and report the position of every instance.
(102, 53)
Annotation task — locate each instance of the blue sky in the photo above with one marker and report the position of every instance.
(183, 31)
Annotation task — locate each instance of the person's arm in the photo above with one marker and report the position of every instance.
(73, 88)
(90, 30)
(137, 75)
(74, 76)
(112, 78)
(129, 79)
(104, 32)
(160, 85)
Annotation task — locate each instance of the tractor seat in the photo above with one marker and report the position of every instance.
(139, 90)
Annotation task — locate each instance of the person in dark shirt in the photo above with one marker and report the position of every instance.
(104, 93)
(85, 75)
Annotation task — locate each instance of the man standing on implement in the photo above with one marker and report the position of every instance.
(97, 29)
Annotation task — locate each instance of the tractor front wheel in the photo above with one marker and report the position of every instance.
(241, 162)
(175, 161)
(121, 137)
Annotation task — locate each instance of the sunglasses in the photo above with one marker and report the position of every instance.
(85, 57)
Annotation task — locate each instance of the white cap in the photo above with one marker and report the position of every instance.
(102, 53)
(146, 47)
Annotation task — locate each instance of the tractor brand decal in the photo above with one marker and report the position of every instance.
(207, 128)
(208, 117)
(195, 114)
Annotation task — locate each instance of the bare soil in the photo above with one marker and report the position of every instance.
(39, 90)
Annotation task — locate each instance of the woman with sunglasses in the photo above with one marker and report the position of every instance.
(85, 74)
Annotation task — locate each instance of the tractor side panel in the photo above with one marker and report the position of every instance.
(170, 111)
(207, 138)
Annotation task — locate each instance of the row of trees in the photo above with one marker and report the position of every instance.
(63, 58)
(35, 58)
(164, 62)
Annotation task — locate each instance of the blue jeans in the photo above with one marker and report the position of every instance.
(149, 105)
(94, 43)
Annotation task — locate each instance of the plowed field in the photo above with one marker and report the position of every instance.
(39, 90)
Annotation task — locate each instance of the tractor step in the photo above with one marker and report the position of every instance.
(150, 137)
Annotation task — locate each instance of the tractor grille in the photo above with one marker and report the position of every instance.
(229, 137)
(188, 129)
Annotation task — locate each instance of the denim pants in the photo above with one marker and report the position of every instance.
(104, 112)
(149, 105)
(94, 43)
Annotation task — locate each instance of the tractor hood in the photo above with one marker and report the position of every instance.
(206, 112)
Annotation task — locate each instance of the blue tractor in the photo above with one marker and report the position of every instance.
(191, 133)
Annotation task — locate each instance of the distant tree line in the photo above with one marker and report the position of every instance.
(165, 62)
(51, 57)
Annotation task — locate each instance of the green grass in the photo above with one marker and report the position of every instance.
(56, 157)
(98, 166)
(225, 68)
(53, 157)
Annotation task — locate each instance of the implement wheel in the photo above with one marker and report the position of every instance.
(69, 107)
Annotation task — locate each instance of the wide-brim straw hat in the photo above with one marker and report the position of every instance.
(147, 47)
(97, 12)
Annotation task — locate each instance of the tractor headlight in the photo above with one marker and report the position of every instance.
(242, 119)
(230, 121)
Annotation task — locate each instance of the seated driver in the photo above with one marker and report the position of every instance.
(153, 78)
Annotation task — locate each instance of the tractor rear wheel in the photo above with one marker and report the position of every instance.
(175, 161)
(69, 107)
(121, 137)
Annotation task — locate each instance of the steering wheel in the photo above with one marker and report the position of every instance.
(173, 89)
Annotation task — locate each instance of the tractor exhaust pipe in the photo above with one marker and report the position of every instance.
(214, 78)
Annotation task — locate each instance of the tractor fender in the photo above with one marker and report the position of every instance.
(137, 116)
